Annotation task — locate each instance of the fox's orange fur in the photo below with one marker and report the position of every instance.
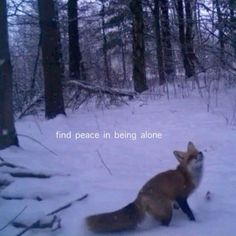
(157, 195)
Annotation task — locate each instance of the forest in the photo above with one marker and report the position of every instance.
(91, 86)
(75, 50)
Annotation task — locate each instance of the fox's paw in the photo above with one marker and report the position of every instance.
(175, 206)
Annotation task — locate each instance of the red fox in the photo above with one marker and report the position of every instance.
(156, 196)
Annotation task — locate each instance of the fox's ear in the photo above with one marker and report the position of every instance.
(179, 155)
(191, 146)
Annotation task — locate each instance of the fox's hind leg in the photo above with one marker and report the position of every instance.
(160, 209)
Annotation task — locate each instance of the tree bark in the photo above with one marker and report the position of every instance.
(104, 47)
(186, 36)
(54, 103)
(189, 37)
(139, 72)
(221, 33)
(59, 48)
(123, 53)
(166, 38)
(232, 7)
(74, 47)
(8, 135)
(159, 43)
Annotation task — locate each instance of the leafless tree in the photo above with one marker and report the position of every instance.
(8, 135)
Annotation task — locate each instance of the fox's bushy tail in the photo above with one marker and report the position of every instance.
(126, 218)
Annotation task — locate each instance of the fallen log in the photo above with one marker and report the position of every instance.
(103, 90)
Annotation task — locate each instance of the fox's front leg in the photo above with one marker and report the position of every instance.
(183, 204)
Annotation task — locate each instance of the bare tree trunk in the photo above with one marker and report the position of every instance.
(159, 43)
(54, 103)
(221, 33)
(181, 24)
(186, 36)
(123, 56)
(197, 19)
(8, 135)
(166, 38)
(123, 53)
(61, 62)
(32, 84)
(232, 7)
(189, 36)
(105, 54)
(139, 72)
(74, 48)
(123, 62)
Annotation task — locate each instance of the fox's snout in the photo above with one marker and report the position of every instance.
(200, 156)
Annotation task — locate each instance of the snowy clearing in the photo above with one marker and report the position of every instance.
(112, 170)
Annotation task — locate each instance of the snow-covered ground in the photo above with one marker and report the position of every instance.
(78, 167)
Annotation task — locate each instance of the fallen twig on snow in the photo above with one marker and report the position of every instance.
(8, 164)
(67, 205)
(103, 162)
(4, 183)
(29, 175)
(49, 222)
(11, 221)
(37, 198)
(35, 140)
(53, 223)
(21, 174)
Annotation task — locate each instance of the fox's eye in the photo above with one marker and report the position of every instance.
(192, 157)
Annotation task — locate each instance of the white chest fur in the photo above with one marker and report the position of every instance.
(195, 169)
(197, 176)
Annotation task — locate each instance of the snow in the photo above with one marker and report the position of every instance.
(77, 168)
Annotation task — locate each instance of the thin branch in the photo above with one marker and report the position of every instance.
(10, 165)
(104, 164)
(17, 9)
(29, 175)
(36, 223)
(10, 222)
(35, 140)
(67, 205)
(28, 228)
(30, 106)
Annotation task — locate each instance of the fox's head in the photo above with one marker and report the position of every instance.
(192, 161)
